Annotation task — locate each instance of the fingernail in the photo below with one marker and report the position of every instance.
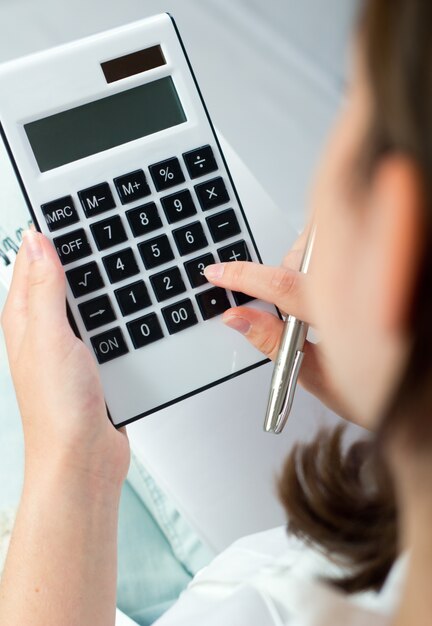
(213, 272)
(240, 324)
(32, 245)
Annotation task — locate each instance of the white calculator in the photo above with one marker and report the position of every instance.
(121, 168)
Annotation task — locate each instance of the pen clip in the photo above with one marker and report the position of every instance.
(283, 416)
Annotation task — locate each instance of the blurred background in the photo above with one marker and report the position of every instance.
(272, 74)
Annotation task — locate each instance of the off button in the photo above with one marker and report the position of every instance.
(73, 246)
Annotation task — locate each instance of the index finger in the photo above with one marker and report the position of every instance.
(278, 285)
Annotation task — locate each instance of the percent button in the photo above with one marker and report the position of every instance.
(167, 174)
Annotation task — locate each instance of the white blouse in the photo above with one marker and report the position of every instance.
(269, 579)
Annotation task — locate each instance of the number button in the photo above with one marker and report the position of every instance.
(144, 219)
(168, 284)
(200, 162)
(108, 233)
(178, 206)
(156, 252)
(109, 345)
(145, 330)
(235, 252)
(97, 312)
(133, 298)
(131, 187)
(211, 194)
(167, 174)
(179, 316)
(73, 246)
(121, 265)
(85, 279)
(190, 238)
(97, 199)
(213, 302)
(195, 269)
(223, 225)
(60, 213)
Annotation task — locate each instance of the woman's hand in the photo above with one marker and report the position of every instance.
(285, 287)
(56, 379)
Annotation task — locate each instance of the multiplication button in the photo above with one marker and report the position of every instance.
(179, 316)
(97, 199)
(109, 345)
(167, 174)
(223, 225)
(213, 302)
(60, 213)
(200, 162)
(131, 187)
(145, 330)
(73, 246)
(211, 194)
(85, 279)
(97, 312)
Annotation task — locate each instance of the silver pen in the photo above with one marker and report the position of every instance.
(289, 361)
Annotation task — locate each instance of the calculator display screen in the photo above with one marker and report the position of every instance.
(103, 124)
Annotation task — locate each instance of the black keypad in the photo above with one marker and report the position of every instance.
(167, 174)
(241, 298)
(97, 312)
(213, 302)
(195, 269)
(190, 238)
(144, 219)
(145, 330)
(85, 279)
(133, 298)
(72, 246)
(179, 316)
(109, 345)
(131, 187)
(200, 162)
(156, 252)
(168, 284)
(237, 251)
(97, 199)
(109, 232)
(60, 213)
(178, 206)
(121, 265)
(211, 194)
(223, 225)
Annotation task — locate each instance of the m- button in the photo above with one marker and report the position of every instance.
(73, 246)
(60, 213)
(96, 200)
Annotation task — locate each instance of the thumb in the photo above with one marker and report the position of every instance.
(262, 330)
(46, 283)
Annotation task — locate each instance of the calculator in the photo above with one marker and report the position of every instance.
(121, 168)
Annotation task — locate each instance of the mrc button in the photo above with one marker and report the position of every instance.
(60, 213)
(73, 246)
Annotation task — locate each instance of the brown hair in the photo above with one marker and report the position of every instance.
(341, 499)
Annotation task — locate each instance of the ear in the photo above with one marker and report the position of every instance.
(398, 201)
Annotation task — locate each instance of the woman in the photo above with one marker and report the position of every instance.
(369, 296)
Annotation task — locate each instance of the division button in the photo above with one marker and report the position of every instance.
(223, 225)
(121, 265)
(109, 232)
(237, 251)
(85, 279)
(178, 206)
(60, 213)
(195, 269)
(200, 162)
(144, 219)
(145, 330)
(179, 316)
(133, 298)
(156, 252)
(211, 194)
(190, 238)
(97, 312)
(131, 187)
(97, 199)
(109, 345)
(167, 174)
(213, 302)
(168, 284)
(73, 246)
